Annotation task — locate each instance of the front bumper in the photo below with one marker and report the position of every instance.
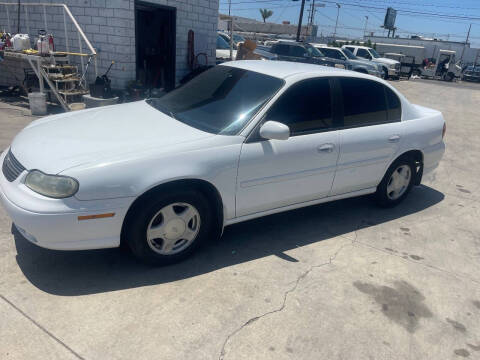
(393, 72)
(469, 77)
(54, 223)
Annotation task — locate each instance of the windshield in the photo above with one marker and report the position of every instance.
(221, 100)
(222, 44)
(349, 54)
(313, 51)
(374, 53)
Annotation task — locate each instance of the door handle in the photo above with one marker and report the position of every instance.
(326, 148)
(394, 138)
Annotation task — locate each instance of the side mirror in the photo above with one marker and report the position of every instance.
(273, 130)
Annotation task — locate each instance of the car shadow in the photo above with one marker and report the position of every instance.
(86, 272)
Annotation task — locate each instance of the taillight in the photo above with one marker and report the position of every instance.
(444, 130)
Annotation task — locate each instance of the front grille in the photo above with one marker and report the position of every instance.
(11, 168)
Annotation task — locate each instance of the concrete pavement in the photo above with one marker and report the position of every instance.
(343, 280)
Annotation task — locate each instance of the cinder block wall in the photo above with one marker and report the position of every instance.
(110, 27)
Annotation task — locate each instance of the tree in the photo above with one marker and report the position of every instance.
(265, 13)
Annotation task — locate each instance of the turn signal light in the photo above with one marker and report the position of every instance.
(96, 216)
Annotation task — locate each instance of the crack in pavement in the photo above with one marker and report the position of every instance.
(42, 328)
(285, 296)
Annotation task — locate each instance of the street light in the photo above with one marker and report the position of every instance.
(336, 22)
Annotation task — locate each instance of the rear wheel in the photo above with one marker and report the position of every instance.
(169, 228)
(397, 183)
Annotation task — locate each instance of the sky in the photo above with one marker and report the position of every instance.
(445, 19)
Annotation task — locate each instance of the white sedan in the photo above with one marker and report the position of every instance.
(240, 141)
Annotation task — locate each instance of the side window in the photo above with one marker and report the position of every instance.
(280, 49)
(350, 48)
(331, 53)
(304, 107)
(297, 51)
(363, 53)
(363, 102)
(394, 106)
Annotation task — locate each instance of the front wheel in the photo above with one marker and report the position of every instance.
(397, 183)
(385, 73)
(169, 227)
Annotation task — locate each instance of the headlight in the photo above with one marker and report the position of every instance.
(54, 186)
(392, 66)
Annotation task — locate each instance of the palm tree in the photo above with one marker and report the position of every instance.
(265, 13)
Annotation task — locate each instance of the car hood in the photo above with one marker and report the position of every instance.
(386, 61)
(56, 143)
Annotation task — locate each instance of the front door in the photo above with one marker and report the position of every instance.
(278, 173)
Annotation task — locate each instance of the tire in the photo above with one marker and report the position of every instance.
(448, 77)
(389, 194)
(156, 241)
(385, 73)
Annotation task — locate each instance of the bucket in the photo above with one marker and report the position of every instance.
(38, 103)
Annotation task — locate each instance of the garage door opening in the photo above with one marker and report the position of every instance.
(155, 31)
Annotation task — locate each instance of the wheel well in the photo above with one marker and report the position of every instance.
(417, 157)
(206, 188)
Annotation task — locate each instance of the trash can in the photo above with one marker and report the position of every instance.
(38, 103)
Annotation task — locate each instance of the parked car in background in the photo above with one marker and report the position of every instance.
(357, 64)
(305, 53)
(471, 73)
(222, 52)
(391, 68)
(236, 38)
(240, 141)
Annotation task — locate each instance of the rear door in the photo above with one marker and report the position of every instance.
(277, 173)
(371, 133)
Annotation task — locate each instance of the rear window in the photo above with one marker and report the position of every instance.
(394, 106)
(364, 102)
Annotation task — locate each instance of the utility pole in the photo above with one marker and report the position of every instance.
(365, 28)
(300, 20)
(231, 28)
(466, 41)
(18, 18)
(336, 22)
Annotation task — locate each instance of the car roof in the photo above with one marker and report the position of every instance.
(284, 69)
(357, 46)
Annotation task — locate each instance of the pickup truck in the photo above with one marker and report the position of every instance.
(359, 65)
(305, 53)
(391, 68)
